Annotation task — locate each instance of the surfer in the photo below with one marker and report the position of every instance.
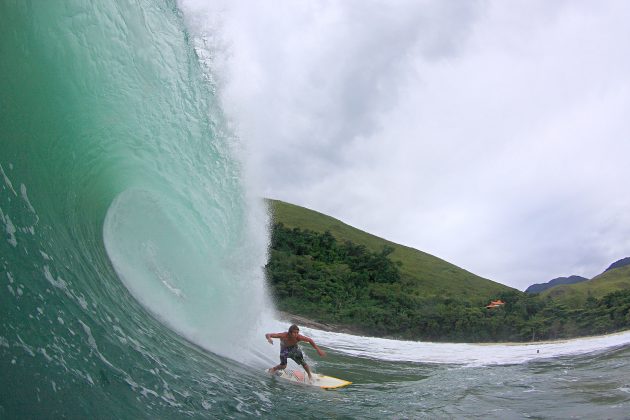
(289, 348)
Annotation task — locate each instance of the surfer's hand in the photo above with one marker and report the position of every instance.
(270, 340)
(321, 352)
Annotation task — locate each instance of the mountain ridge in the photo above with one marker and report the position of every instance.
(619, 263)
(540, 287)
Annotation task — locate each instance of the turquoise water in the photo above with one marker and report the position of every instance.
(131, 255)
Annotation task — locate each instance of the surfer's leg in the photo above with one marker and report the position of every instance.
(275, 368)
(298, 356)
(308, 371)
(283, 362)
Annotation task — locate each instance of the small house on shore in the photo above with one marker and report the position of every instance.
(495, 304)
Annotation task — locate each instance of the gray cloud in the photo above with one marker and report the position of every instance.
(491, 134)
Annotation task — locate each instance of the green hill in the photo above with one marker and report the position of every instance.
(576, 295)
(328, 272)
(423, 273)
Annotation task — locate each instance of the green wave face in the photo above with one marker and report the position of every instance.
(123, 211)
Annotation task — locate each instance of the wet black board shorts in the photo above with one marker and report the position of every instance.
(292, 352)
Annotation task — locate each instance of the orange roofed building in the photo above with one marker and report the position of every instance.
(495, 304)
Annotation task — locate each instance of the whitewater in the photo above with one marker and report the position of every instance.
(131, 281)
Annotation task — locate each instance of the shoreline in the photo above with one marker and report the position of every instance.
(309, 323)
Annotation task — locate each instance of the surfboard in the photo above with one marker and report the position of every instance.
(319, 381)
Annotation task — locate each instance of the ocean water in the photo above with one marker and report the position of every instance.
(131, 253)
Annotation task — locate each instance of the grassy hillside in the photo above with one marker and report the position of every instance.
(422, 273)
(575, 295)
(327, 271)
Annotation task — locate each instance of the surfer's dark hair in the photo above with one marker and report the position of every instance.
(293, 328)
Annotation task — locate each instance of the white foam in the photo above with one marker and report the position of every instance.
(10, 229)
(7, 181)
(466, 354)
(27, 201)
(58, 282)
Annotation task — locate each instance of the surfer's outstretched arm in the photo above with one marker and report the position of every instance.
(312, 343)
(269, 336)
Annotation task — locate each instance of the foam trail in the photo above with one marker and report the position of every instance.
(463, 353)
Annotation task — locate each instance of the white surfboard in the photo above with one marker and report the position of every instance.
(320, 381)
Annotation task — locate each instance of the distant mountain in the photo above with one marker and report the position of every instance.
(618, 264)
(540, 287)
(575, 295)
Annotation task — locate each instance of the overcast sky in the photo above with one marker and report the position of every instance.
(492, 134)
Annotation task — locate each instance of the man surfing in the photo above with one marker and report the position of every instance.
(289, 349)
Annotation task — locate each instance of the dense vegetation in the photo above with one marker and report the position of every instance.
(422, 274)
(316, 275)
